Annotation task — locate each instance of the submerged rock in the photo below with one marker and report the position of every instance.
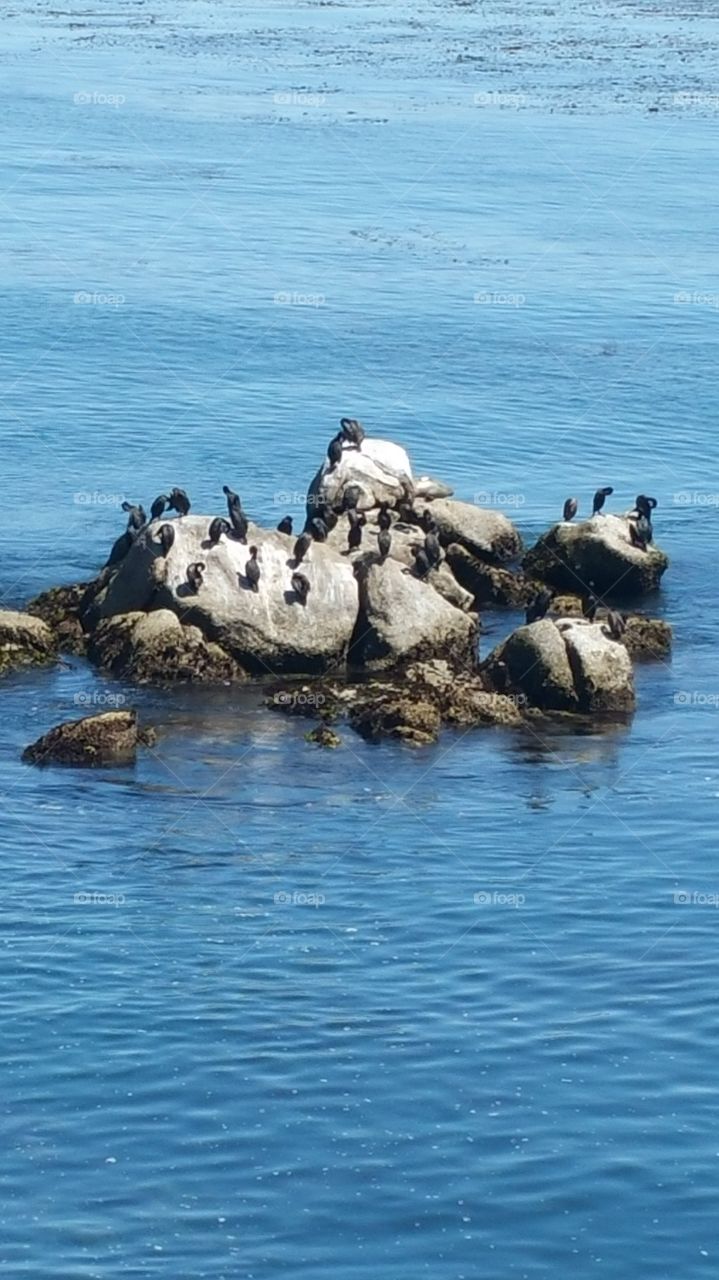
(323, 736)
(110, 738)
(25, 640)
(595, 555)
(568, 665)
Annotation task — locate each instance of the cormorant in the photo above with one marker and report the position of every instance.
(301, 587)
(194, 576)
(571, 508)
(600, 498)
(384, 519)
(166, 534)
(158, 507)
(179, 502)
(384, 542)
(218, 526)
(538, 607)
(334, 452)
(302, 546)
(136, 517)
(285, 525)
(252, 570)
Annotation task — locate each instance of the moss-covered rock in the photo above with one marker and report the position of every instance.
(107, 739)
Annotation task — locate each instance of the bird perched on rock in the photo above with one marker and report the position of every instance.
(285, 525)
(351, 497)
(384, 519)
(136, 517)
(159, 506)
(384, 542)
(422, 565)
(301, 587)
(218, 526)
(352, 431)
(644, 506)
(194, 576)
(179, 502)
(119, 549)
(252, 570)
(432, 548)
(600, 498)
(538, 607)
(317, 529)
(616, 625)
(357, 523)
(590, 604)
(238, 519)
(637, 536)
(571, 508)
(166, 534)
(302, 546)
(334, 452)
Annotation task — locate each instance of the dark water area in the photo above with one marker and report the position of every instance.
(274, 1011)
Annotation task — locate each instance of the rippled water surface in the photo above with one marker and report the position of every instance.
(377, 1011)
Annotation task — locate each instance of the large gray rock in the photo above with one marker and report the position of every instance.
(568, 665)
(24, 641)
(597, 556)
(379, 469)
(402, 618)
(267, 631)
(486, 534)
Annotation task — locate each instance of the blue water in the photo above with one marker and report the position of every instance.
(376, 1011)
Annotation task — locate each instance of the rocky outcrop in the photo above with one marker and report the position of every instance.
(25, 641)
(107, 739)
(402, 619)
(157, 647)
(488, 535)
(568, 665)
(61, 608)
(643, 638)
(487, 583)
(378, 471)
(265, 631)
(595, 555)
(412, 706)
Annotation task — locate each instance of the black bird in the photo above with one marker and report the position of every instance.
(136, 517)
(644, 528)
(158, 507)
(384, 542)
(233, 499)
(636, 537)
(334, 452)
(194, 576)
(432, 548)
(328, 518)
(218, 526)
(352, 431)
(538, 607)
(405, 512)
(302, 546)
(166, 534)
(429, 524)
(571, 508)
(252, 570)
(301, 587)
(590, 604)
(285, 525)
(119, 549)
(354, 537)
(317, 529)
(238, 519)
(352, 495)
(616, 625)
(384, 519)
(179, 502)
(644, 506)
(600, 498)
(422, 565)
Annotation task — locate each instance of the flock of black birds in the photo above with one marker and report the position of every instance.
(427, 556)
(317, 526)
(641, 534)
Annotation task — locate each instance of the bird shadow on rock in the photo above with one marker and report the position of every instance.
(291, 597)
(185, 592)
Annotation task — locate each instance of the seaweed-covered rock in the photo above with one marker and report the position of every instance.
(158, 648)
(488, 583)
(647, 637)
(403, 619)
(488, 535)
(110, 738)
(595, 555)
(395, 715)
(61, 608)
(323, 736)
(570, 665)
(25, 640)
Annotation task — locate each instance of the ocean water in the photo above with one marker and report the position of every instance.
(272, 1011)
